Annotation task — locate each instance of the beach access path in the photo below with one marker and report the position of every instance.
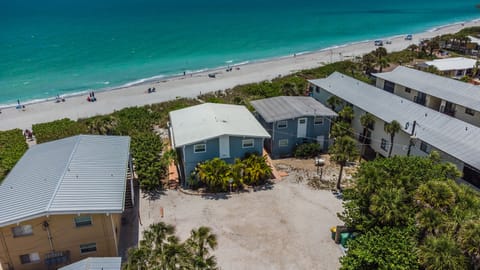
(192, 85)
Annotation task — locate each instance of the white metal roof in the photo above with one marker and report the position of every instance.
(96, 263)
(211, 120)
(81, 174)
(461, 93)
(474, 39)
(450, 135)
(454, 63)
(289, 107)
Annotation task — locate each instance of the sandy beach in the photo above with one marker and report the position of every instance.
(192, 85)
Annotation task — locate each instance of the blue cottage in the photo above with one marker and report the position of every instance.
(293, 120)
(203, 132)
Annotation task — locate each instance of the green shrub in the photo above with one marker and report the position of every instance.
(307, 150)
(58, 129)
(12, 148)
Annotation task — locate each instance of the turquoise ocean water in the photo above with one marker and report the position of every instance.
(62, 47)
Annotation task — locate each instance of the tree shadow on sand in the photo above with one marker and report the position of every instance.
(153, 194)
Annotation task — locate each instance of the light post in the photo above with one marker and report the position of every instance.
(230, 181)
(319, 163)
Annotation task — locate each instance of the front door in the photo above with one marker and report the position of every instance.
(224, 145)
(302, 128)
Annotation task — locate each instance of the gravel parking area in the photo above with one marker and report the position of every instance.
(285, 226)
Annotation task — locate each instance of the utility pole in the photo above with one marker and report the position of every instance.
(410, 141)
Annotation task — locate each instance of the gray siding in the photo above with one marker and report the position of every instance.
(189, 159)
(290, 133)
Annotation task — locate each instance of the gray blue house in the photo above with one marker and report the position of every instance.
(293, 120)
(210, 130)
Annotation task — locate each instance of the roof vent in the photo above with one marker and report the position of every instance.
(426, 114)
(466, 128)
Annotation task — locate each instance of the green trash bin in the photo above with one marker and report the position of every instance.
(333, 230)
(344, 237)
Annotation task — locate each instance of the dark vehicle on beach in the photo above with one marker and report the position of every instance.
(408, 37)
(378, 43)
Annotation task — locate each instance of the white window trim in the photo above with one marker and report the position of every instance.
(198, 152)
(22, 235)
(281, 121)
(86, 252)
(315, 120)
(252, 146)
(81, 226)
(282, 140)
(37, 256)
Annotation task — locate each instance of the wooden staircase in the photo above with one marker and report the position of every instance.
(128, 192)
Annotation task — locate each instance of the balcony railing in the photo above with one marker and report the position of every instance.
(419, 100)
(57, 258)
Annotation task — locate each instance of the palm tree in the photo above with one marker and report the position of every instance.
(343, 150)
(441, 253)
(256, 169)
(368, 61)
(389, 205)
(333, 102)
(429, 221)
(380, 52)
(340, 129)
(200, 243)
(366, 121)
(215, 173)
(435, 195)
(346, 114)
(150, 252)
(392, 128)
(469, 240)
(382, 63)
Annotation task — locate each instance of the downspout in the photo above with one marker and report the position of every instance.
(273, 138)
(4, 244)
(46, 226)
(131, 179)
(114, 236)
(184, 166)
(410, 141)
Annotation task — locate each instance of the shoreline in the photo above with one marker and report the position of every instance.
(197, 82)
(160, 78)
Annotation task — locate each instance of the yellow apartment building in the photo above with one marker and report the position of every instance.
(63, 202)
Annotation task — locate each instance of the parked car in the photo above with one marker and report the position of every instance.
(378, 43)
(408, 37)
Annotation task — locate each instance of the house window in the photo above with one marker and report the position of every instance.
(22, 230)
(82, 221)
(317, 89)
(200, 148)
(283, 143)
(423, 147)
(408, 90)
(383, 144)
(371, 126)
(249, 143)
(388, 86)
(282, 124)
(86, 248)
(29, 258)
(318, 120)
(469, 111)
